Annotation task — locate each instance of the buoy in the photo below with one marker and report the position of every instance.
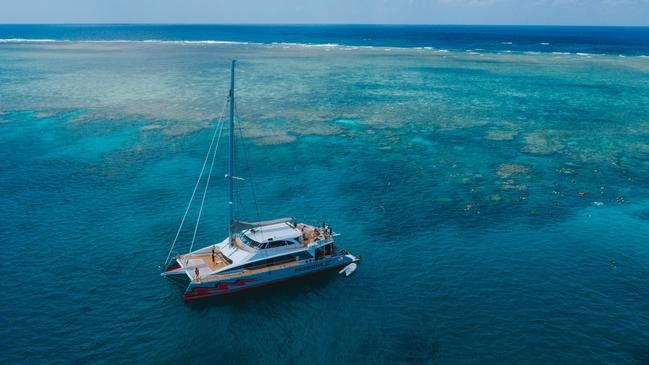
(349, 269)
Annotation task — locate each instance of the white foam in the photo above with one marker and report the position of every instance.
(306, 45)
(212, 42)
(285, 45)
(544, 44)
(24, 40)
(324, 45)
(34, 40)
(209, 41)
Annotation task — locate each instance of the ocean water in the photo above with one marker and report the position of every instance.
(496, 192)
(609, 40)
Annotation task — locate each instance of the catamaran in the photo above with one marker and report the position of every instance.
(254, 254)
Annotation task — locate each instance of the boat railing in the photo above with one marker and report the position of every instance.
(256, 267)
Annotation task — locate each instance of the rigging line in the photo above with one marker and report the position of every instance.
(236, 187)
(200, 176)
(247, 162)
(207, 184)
(252, 186)
(249, 173)
(250, 177)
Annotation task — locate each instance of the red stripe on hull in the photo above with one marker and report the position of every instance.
(172, 267)
(198, 297)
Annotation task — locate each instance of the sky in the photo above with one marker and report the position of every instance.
(526, 12)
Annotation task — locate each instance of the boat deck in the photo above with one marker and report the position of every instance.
(311, 234)
(207, 263)
(204, 262)
(249, 272)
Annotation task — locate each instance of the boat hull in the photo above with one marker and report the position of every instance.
(213, 288)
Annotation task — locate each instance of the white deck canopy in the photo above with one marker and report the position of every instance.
(273, 232)
(241, 225)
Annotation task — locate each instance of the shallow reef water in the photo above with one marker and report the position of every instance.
(499, 202)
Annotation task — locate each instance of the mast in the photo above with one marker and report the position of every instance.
(231, 158)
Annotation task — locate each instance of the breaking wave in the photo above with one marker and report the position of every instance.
(23, 40)
(290, 44)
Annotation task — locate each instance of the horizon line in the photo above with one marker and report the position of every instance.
(330, 24)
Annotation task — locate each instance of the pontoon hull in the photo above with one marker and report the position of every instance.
(201, 290)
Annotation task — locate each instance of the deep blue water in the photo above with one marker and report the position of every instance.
(499, 200)
(608, 40)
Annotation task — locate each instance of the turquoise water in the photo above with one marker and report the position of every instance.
(455, 175)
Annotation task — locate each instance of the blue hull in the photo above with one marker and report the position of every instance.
(206, 289)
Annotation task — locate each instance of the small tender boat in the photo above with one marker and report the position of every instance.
(254, 254)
